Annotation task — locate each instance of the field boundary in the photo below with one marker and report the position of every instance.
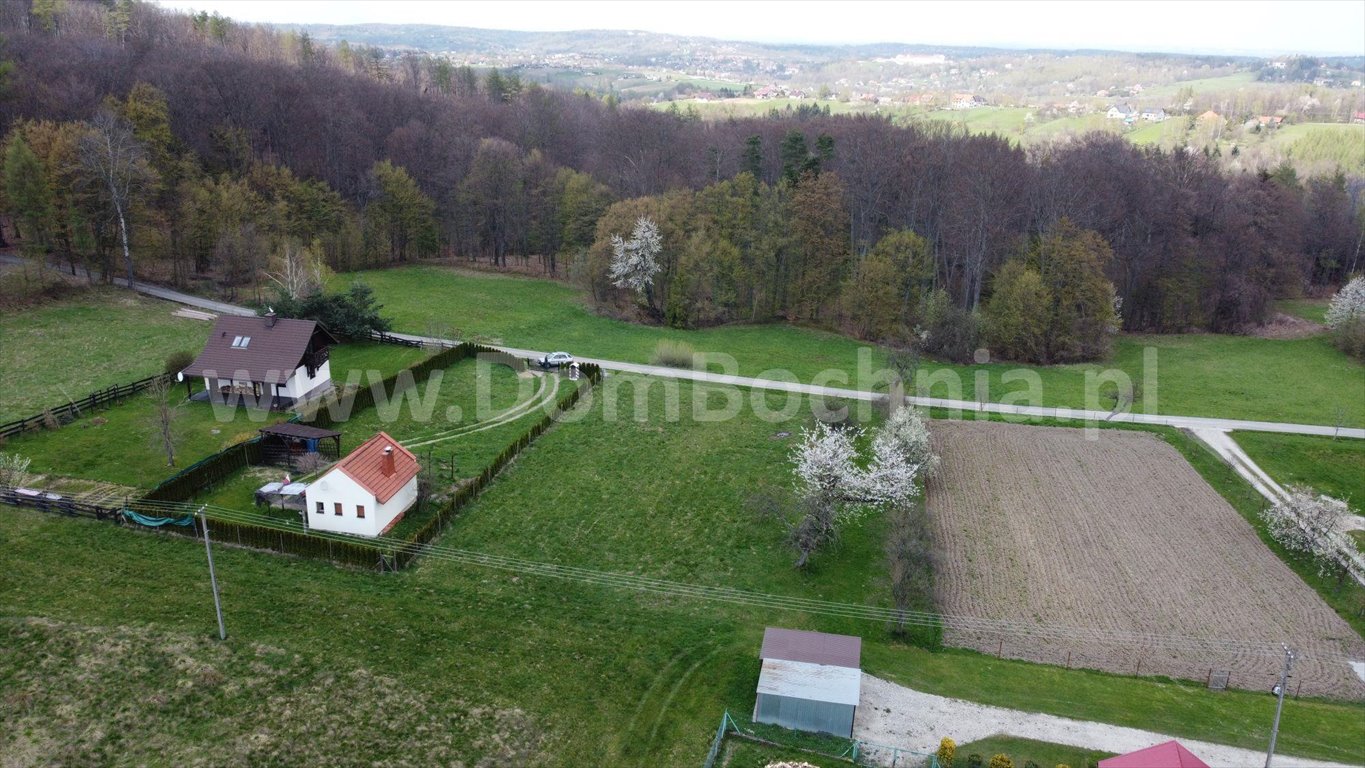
(72, 409)
(172, 496)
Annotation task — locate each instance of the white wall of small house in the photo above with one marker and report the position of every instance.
(398, 503)
(337, 487)
(300, 384)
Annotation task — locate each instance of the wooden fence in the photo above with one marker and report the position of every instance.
(73, 409)
(59, 506)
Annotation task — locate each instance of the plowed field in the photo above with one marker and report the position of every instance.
(1114, 554)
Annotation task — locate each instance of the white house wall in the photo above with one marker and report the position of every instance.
(337, 486)
(300, 384)
(398, 504)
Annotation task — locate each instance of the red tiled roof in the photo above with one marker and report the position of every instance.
(1166, 755)
(812, 647)
(365, 465)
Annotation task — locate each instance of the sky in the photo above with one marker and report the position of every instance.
(1260, 27)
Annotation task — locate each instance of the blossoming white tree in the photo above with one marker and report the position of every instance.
(1312, 524)
(635, 262)
(834, 489)
(13, 470)
(1348, 306)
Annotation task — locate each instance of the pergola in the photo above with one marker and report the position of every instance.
(281, 443)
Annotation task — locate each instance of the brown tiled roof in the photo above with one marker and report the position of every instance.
(812, 647)
(293, 429)
(270, 357)
(365, 465)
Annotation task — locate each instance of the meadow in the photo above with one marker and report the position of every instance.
(559, 672)
(65, 349)
(1333, 467)
(1197, 374)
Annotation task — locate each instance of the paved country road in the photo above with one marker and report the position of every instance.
(1062, 413)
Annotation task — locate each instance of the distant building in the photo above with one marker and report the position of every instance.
(1358, 117)
(1208, 117)
(1154, 115)
(810, 681)
(367, 492)
(1120, 112)
(966, 101)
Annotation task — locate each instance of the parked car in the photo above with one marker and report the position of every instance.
(555, 360)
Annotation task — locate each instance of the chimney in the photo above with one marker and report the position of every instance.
(269, 317)
(386, 466)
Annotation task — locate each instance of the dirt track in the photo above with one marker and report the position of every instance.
(1037, 525)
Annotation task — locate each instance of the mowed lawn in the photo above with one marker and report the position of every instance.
(1334, 467)
(96, 338)
(558, 672)
(120, 444)
(1299, 380)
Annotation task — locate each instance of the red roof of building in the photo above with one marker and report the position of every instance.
(1168, 755)
(367, 465)
(812, 647)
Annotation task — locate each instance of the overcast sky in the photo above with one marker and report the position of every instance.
(1333, 27)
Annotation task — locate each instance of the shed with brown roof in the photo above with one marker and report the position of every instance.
(810, 681)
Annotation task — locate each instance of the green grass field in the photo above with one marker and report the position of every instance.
(1313, 310)
(101, 336)
(119, 444)
(1300, 380)
(1021, 751)
(1333, 467)
(566, 672)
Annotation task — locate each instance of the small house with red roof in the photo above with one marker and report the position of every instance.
(367, 492)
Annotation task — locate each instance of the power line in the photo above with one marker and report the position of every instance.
(1013, 628)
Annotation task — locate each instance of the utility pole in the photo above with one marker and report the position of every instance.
(213, 577)
(1279, 704)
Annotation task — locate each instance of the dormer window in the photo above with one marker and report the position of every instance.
(240, 342)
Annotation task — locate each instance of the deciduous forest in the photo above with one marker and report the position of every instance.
(198, 151)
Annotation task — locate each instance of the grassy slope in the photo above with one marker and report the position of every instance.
(1333, 467)
(119, 445)
(1199, 375)
(1313, 310)
(618, 496)
(96, 338)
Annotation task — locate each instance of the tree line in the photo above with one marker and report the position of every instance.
(250, 141)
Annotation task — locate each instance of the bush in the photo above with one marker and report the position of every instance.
(177, 362)
(675, 354)
(1001, 761)
(1346, 318)
(351, 315)
(949, 331)
(946, 749)
(973, 760)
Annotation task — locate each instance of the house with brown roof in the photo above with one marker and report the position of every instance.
(264, 362)
(366, 493)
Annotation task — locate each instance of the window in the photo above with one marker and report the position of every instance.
(360, 511)
(337, 508)
(240, 342)
(321, 507)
